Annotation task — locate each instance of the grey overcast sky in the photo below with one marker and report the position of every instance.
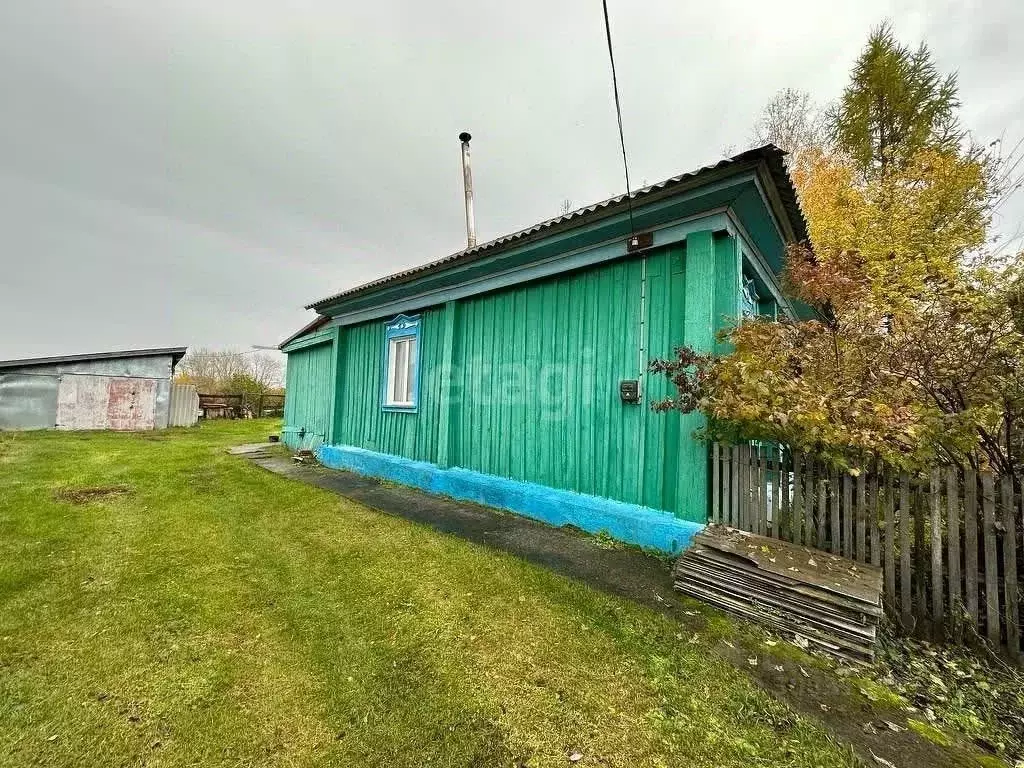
(194, 172)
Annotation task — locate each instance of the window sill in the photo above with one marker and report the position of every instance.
(399, 408)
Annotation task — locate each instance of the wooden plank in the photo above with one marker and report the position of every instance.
(861, 507)
(971, 546)
(889, 547)
(792, 561)
(785, 500)
(822, 512)
(873, 515)
(716, 483)
(726, 477)
(938, 588)
(847, 515)
(729, 568)
(733, 485)
(776, 479)
(906, 518)
(836, 541)
(988, 533)
(920, 512)
(1011, 597)
(762, 514)
(796, 517)
(748, 489)
(757, 594)
(953, 539)
(830, 644)
(810, 486)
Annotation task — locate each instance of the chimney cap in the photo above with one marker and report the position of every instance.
(464, 137)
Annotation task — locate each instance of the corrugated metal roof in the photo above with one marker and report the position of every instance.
(769, 154)
(176, 354)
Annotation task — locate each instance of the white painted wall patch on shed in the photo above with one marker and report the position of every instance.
(106, 402)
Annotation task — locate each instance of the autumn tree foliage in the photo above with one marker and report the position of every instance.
(910, 344)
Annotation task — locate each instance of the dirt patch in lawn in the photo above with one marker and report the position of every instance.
(86, 494)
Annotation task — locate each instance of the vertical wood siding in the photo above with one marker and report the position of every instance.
(537, 371)
(308, 389)
(524, 383)
(360, 421)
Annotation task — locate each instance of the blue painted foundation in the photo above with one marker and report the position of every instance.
(631, 523)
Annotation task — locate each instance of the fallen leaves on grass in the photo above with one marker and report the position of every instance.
(957, 688)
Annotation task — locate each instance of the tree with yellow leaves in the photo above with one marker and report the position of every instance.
(910, 346)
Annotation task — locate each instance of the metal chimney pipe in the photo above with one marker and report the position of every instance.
(467, 180)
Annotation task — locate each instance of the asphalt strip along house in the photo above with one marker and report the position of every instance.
(514, 373)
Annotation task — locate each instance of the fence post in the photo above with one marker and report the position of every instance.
(735, 514)
(716, 471)
(890, 543)
(835, 479)
(847, 515)
(906, 519)
(1010, 577)
(971, 546)
(920, 576)
(861, 506)
(875, 489)
(938, 591)
(991, 566)
(810, 486)
(953, 532)
(775, 476)
(797, 511)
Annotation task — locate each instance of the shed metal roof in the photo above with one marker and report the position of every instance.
(176, 353)
(769, 154)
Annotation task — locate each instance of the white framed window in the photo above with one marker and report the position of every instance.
(401, 371)
(401, 364)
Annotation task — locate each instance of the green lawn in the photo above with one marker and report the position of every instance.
(210, 612)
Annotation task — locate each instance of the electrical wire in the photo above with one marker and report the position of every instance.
(618, 115)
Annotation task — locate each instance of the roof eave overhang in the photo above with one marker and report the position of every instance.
(766, 163)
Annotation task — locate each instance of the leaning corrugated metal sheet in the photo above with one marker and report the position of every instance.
(184, 410)
(110, 390)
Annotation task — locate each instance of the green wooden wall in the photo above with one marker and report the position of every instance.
(360, 420)
(309, 394)
(535, 384)
(523, 383)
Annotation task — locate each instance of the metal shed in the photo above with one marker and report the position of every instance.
(129, 390)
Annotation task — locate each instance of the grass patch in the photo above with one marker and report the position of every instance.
(877, 692)
(222, 615)
(929, 732)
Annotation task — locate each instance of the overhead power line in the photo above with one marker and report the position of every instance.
(618, 113)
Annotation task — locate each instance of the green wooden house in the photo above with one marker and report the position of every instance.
(514, 373)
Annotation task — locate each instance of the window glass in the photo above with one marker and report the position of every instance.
(401, 370)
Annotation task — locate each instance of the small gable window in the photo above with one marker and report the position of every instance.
(401, 363)
(749, 300)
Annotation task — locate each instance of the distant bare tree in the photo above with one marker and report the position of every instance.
(223, 370)
(790, 121)
(266, 370)
(565, 206)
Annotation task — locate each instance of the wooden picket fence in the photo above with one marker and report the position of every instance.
(947, 541)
